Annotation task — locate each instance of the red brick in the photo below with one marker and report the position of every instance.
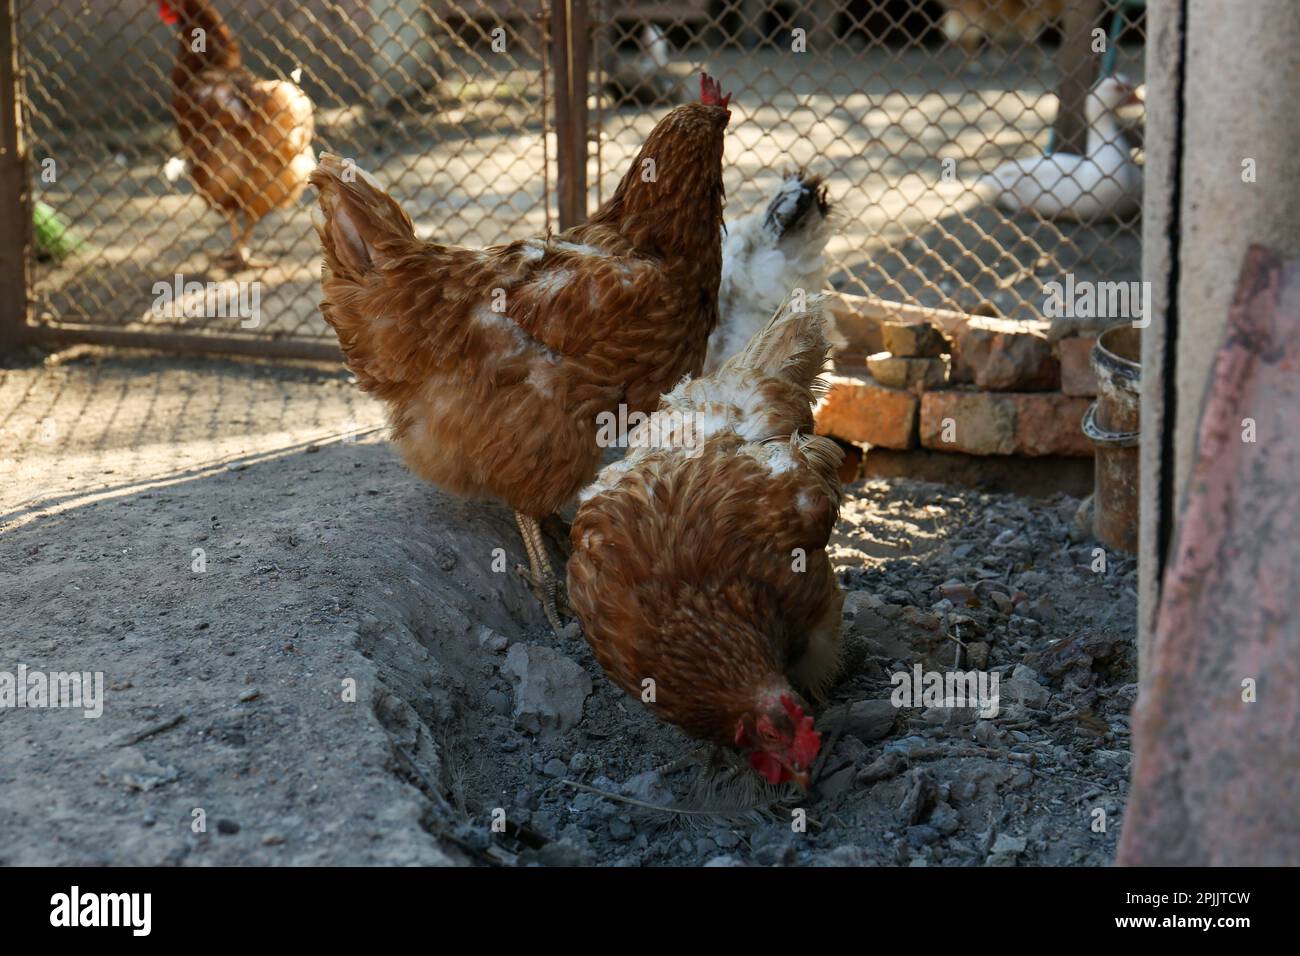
(912, 339)
(1049, 423)
(1077, 377)
(1005, 423)
(917, 374)
(861, 333)
(857, 409)
(983, 423)
(1005, 356)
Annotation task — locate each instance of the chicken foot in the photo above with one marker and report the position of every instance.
(238, 257)
(540, 574)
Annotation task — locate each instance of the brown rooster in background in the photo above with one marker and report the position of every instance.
(699, 560)
(1002, 22)
(247, 141)
(495, 363)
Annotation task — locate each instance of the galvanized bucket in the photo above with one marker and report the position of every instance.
(1112, 423)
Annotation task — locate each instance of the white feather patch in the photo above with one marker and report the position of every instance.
(581, 249)
(550, 283)
(174, 169)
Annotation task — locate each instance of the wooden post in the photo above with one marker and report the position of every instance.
(15, 198)
(1077, 65)
(569, 54)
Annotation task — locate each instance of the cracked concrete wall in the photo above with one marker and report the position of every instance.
(1237, 94)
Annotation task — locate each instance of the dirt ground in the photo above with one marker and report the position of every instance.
(326, 566)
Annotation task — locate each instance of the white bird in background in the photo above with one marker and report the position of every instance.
(646, 78)
(767, 254)
(1103, 182)
(656, 54)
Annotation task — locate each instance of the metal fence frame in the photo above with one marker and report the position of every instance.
(15, 200)
(559, 20)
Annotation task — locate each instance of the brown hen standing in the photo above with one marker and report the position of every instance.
(699, 560)
(495, 363)
(1004, 22)
(247, 141)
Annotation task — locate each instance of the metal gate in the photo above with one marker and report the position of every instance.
(445, 102)
(493, 119)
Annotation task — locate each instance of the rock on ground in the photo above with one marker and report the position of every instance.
(549, 688)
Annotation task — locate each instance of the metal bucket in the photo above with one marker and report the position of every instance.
(1112, 423)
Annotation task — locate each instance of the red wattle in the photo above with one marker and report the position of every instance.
(768, 766)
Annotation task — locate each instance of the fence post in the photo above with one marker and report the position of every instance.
(15, 211)
(569, 28)
(1077, 66)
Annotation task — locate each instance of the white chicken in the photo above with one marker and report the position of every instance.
(1104, 182)
(646, 79)
(765, 256)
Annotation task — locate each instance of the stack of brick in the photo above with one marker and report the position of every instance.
(975, 385)
(876, 399)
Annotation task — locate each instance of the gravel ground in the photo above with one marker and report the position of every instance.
(912, 786)
(227, 689)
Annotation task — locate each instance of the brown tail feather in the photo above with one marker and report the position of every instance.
(360, 225)
(823, 455)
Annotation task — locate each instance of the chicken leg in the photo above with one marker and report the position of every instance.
(238, 258)
(540, 574)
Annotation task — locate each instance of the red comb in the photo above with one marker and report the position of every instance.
(711, 92)
(169, 16)
(807, 742)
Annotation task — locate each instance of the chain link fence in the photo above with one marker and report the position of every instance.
(487, 122)
(426, 96)
(902, 107)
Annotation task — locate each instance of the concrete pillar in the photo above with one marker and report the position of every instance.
(1215, 769)
(1223, 87)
